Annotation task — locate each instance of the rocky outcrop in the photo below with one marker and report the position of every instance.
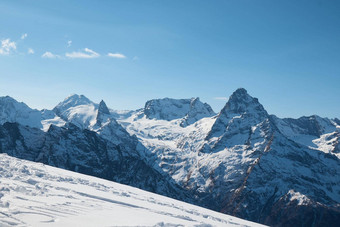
(189, 110)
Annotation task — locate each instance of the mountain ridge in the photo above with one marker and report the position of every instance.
(241, 161)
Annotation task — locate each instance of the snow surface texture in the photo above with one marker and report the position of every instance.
(33, 194)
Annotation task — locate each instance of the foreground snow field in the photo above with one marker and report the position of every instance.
(33, 194)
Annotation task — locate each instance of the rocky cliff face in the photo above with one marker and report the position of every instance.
(241, 161)
(241, 119)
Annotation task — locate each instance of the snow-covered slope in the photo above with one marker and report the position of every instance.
(33, 194)
(78, 110)
(14, 111)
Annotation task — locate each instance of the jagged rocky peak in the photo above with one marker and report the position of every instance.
(240, 113)
(241, 102)
(170, 109)
(197, 111)
(103, 112)
(197, 105)
(103, 108)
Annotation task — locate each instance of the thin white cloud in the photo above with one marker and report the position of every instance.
(221, 98)
(116, 55)
(48, 54)
(30, 51)
(24, 36)
(135, 58)
(88, 53)
(69, 43)
(7, 46)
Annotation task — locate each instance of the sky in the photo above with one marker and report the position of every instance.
(285, 53)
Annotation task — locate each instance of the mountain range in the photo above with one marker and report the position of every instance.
(241, 161)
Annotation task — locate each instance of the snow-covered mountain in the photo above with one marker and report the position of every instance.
(33, 194)
(315, 132)
(14, 111)
(90, 141)
(188, 110)
(246, 162)
(241, 161)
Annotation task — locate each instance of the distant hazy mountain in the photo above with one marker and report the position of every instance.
(241, 161)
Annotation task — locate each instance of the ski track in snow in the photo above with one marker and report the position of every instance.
(33, 194)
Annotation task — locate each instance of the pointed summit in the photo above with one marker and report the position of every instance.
(103, 108)
(241, 102)
(241, 112)
(102, 113)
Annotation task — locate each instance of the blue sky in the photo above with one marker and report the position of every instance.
(286, 53)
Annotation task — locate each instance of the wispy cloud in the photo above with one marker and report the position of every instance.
(30, 51)
(135, 58)
(221, 98)
(116, 55)
(24, 36)
(69, 43)
(48, 54)
(7, 46)
(88, 53)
